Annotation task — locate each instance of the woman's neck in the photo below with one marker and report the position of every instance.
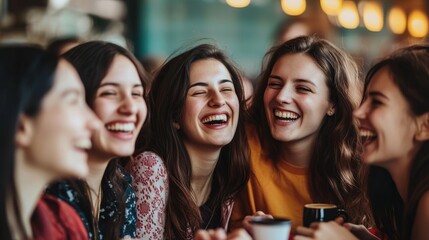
(400, 169)
(203, 164)
(97, 167)
(298, 153)
(30, 182)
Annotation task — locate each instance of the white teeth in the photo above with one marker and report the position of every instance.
(286, 115)
(366, 133)
(121, 127)
(84, 144)
(219, 117)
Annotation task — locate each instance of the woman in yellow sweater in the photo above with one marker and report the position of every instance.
(302, 136)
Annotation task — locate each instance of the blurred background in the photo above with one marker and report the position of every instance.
(246, 29)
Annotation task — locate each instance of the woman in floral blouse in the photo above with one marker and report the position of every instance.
(197, 138)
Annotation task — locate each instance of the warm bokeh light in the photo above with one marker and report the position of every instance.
(331, 7)
(417, 24)
(238, 3)
(293, 7)
(397, 20)
(348, 16)
(373, 16)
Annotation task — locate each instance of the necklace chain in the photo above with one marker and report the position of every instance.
(95, 209)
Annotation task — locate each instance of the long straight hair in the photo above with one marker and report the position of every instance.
(334, 167)
(92, 61)
(166, 98)
(410, 72)
(26, 76)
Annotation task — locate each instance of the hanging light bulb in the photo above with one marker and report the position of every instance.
(373, 16)
(397, 20)
(238, 3)
(293, 7)
(417, 24)
(348, 16)
(331, 7)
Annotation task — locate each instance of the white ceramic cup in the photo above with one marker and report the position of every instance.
(272, 229)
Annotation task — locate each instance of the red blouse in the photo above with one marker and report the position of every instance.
(55, 219)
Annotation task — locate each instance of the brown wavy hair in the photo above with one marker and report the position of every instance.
(334, 167)
(410, 72)
(166, 99)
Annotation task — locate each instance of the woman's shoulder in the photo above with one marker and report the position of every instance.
(54, 218)
(420, 230)
(148, 159)
(63, 190)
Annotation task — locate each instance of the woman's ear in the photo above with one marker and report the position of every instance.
(176, 125)
(331, 110)
(422, 133)
(24, 131)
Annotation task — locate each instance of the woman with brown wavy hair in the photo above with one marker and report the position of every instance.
(198, 138)
(302, 135)
(394, 127)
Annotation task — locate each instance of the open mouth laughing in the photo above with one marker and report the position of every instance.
(367, 136)
(216, 119)
(286, 115)
(121, 127)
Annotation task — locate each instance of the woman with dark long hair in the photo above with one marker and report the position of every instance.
(197, 139)
(394, 127)
(302, 135)
(45, 132)
(115, 91)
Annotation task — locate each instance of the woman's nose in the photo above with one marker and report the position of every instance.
(128, 105)
(217, 99)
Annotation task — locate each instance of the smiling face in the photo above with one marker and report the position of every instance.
(120, 105)
(211, 110)
(387, 126)
(61, 131)
(296, 99)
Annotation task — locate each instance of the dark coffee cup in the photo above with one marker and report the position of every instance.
(322, 212)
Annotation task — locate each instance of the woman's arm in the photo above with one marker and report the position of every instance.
(151, 186)
(420, 230)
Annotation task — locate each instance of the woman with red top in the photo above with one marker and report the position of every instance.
(46, 129)
(394, 128)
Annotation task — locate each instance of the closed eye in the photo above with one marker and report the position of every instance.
(304, 89)
(275, 85)
(197, 93)
(108, 93)
(137, 94)
(227, 89)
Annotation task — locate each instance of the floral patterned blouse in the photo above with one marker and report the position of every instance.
(151, 186)
(108, 209)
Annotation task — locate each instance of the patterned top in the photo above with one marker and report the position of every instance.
(151, 185)
(108, 209)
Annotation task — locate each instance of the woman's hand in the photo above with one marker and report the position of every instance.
(324, 230)
(360, 231)
(246, 221)
(219, 234)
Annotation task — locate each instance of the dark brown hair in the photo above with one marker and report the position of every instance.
(26, 74)
(409, 70)
(166, 98)
(92, 61)
(335, 162)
